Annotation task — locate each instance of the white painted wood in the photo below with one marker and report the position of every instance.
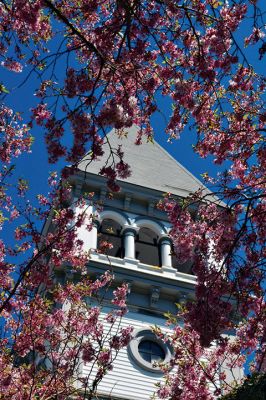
(88, 236)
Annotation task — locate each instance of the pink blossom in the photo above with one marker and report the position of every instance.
(40, 113)
(120, 295)
(12, 65)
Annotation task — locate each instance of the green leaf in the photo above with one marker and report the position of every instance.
(3, 89)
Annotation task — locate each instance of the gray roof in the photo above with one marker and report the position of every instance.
(151, 166)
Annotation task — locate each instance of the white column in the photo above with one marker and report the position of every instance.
(89, 237)
(129, 242)
(165, 248)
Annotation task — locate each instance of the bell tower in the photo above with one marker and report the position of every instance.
(141, 255)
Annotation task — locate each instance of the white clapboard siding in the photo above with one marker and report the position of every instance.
(127, 380)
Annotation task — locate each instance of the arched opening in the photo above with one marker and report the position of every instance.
(147, 249)
(185, 268)
(110, 232)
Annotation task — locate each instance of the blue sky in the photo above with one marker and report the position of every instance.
(35, 168)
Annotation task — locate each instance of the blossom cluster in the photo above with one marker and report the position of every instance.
(120, 58)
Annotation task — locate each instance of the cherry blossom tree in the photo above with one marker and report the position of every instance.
(48, 328)
(120, 59)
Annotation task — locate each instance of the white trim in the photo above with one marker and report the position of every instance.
(114, 215)
(154, 226)
(144, 334)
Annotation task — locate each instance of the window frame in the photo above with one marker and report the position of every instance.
(140, 335)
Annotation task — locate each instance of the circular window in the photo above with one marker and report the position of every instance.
(151, 351)
(146, 350)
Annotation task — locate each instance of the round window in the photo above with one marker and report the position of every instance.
(151, 351)
(147, 350)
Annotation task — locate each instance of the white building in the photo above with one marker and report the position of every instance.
(141, 256)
